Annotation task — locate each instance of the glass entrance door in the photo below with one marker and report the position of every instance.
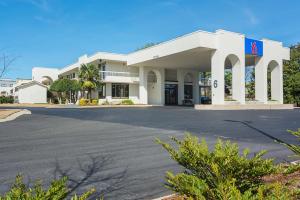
(171, 94)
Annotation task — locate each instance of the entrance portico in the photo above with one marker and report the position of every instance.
(179, 62)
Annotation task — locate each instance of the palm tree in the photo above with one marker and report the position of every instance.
(89, 78)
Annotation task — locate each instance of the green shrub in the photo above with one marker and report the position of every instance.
(217, 173)
(293, 147)
(127, 102)
(86, 102)
(94, 102)
(8, 99)
(58, 190)
(83, 102)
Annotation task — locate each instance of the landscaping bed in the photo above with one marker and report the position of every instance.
(4, 113)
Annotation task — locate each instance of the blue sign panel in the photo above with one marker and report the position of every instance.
(253, 47)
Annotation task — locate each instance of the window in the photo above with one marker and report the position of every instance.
(73, 75)
(102, 92)
(188, 91)
(11, 85)
(3, 85)
(102, 67)
(120, 90)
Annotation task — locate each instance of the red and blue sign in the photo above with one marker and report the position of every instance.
(253, 47)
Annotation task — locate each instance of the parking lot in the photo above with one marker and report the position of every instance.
(114, 150)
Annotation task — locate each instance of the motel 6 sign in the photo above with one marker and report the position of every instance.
(253, 47)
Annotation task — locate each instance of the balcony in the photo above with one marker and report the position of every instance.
(121, 77)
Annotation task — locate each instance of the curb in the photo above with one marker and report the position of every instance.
(161, 198)
(16, 115)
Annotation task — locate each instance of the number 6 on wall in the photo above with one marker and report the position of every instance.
(215, 83)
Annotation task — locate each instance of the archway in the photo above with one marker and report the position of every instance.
(188, 89)
(153, 88)
(46, 80)
(231, 76)
(273, 82)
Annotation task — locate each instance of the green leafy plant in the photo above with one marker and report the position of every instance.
(8, 99)
(293, 147)
(86, 102)
(58, 190)
(127, 102)
(63, 87)
(89, 78)
(94, 102)
(218, 174)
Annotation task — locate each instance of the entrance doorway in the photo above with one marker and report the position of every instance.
(171, 94)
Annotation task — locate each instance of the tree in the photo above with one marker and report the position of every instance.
(147, 45)
(228, 81)
(291, 70)
(89, 78)
(250, 82)
(64, 87)
(6, 61)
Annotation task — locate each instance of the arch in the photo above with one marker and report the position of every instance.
(273, 80)
(188, 78)
(232, 68)
(46, 80)
(153, 87)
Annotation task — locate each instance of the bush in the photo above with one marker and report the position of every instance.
(83, 102)
(127, 102)
(8, 99)
(218, 174)
(57, 190)
(94, 102)
(293, 147)
(86, 102)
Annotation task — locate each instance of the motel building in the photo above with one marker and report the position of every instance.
(186, 70)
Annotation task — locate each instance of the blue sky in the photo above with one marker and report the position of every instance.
(54, 33)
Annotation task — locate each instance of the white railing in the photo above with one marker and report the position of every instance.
(205, 82)
(119, 76)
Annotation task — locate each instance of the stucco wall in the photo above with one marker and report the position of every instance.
(32, 94)
(38, 73)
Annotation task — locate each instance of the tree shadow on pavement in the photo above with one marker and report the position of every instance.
(96, 172)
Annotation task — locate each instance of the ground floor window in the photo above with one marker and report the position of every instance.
(102, 91)
(188, 91)
(120, 90)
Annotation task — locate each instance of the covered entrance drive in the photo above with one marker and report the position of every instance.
(179, 77)
(194, 69)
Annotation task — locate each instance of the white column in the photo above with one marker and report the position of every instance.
(276, 83)
(162, 86)
(217, 78)
(238, 80)
(196, 94)
(143, 86)
(261, 86)
(180, 79)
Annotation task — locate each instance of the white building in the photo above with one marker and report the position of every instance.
(6, 87)
(172, 72)
(30, 92)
